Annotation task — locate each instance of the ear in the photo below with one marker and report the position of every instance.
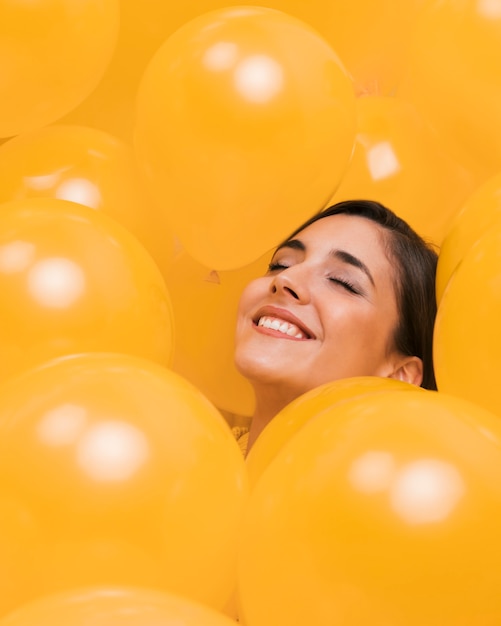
(408, 369)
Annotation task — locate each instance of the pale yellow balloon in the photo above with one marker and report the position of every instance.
(454, 81)
(205, 310)
(245, 124)
(295, 415)
(111, 605)
(466, 340)
(398, 161)
(481, 209)
(52, 54)
(382, 510)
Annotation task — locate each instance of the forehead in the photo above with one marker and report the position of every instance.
(352, 233)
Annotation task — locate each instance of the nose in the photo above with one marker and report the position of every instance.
(291, 282)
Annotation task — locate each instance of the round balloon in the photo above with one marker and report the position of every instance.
(382, 510)
(53, 53)
(466, 341)
(401, 163)
(292, 418)
(80, 164)
(462, 106)
(481, 209)
(205, 303)
(116, 471)
(108, 606)
(245, 125)
(375, 57)
(72, 280)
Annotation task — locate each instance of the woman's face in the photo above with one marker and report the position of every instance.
(325, 310)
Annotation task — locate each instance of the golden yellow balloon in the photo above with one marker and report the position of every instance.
(466, 341)
(454, 81)
(116, 471)
(53, 53)
(481, 209)
(371, 38)
(245, 124)
(80, 164)
(108, 606)
(400, 162)
(295, 415)
(382, 510)
(205, 303)
(73, 280)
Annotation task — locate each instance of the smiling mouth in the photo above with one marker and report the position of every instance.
(281, 326)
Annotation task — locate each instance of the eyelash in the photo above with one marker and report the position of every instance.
(275, 267)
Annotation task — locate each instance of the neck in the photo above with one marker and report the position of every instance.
(268, 404)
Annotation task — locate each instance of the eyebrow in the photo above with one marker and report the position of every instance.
(346, 257)
(342, 255)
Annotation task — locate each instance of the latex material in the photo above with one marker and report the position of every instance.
(398, 161)
(116, 471)
(205, 308)
(108, 606)
(295, 415)
(74, 280)
(370, 36)
(461, 104)
(245, 124)
(52, 54)
(466, 341)
(84, 165)
(479, 212)
(382, 510)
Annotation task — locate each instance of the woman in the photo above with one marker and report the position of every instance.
(350, 293)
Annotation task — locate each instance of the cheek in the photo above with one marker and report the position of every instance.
(251, 296)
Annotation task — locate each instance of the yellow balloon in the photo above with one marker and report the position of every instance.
(400, 162)
(245, 124)
(295, 415)
(109, 606)
(74, 280)
(382, 510)
(462, 105)
(466, 341)
(53, 53)
(205, 303)
(370, 36)
(116, 471)
(481, 209)
(80, 164)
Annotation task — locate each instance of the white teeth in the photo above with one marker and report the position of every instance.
(284, 327)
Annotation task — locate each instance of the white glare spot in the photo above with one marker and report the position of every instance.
(40, 183)
(221, 56)
(112, 451)
(62, 425)
(426, 491)
(80, 191)
(259, 78)
(489, 8)
(382, 161)
(16, 256)
(56, 282)
(372, 472)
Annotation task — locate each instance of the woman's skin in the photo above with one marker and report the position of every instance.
(330, 292)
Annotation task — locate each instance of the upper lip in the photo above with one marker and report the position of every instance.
(287, 316)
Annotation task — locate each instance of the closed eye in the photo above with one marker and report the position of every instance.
(346, 284)
(276, 267)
